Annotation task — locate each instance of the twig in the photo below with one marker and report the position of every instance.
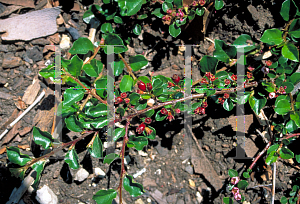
(260, 154)
(274, 180)
(264, 138)
(128, 67)
(22, 115)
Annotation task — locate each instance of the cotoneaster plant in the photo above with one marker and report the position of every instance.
(272, 81)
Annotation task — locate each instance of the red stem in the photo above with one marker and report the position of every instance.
(260, 154)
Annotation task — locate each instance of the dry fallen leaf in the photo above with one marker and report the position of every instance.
(26, 3)
(20, 104)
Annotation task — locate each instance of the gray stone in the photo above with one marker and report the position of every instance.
(180, 201)
(34, 53)
(172, 198)
(189, 169)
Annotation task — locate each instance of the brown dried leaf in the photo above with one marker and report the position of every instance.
(20, 104)
(31, 92)
(3, 149)
(26, 3)
(25, 146)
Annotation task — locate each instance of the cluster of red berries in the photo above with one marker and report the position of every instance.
(201, 109)
(120, 98)
(222, 100)
(143, 127)
(143, 87)
(170, 117)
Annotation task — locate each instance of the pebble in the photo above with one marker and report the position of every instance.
(199, 197)
(172, 198)
(65, 42)
(40, 41)
(46, 196)
(138, 50)
(139, 201)
(139, 173)
(127, 159)
(11, 62)
(99, 172)
(180, 201)
(81, 175)
(73, 32)
(34, 53)
(189, 169)
(192, 183)
(3, 80)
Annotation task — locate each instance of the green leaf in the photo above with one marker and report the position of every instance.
(130, 7)
(126, 84)
(166, 6)
(137, 142)
(108, 159)
(73, 124)
(283, 200)
(158, 12)
(107, 28)
(38, 167)
(134, 98)
(43, 138)
(105, 196)
(99, 122)
(89, 15)
(208, 64)
(294, 29)
(242, 99)
(118, 19)
(158, 91)
(286, 153)
(228, 105)
(290, 51)
(71, 159)
(116, 41)
(48, 72)
(224, 52)
(144, 79)
(71, 96)
(219, 4)
(242, 184)
(282, 107)
(159, 116)
(295, 78)
(297, 157)
(18, 172)
(101, 85)
(178, 3)
(246, 175)
(134, 189)
(149, 113)
(174, 30)
(81, 46)
(118, 67)
(74, 68)
(200, 11)
(96, 111)
(137, 29)
(257, 103)
(227, 200)
(288, 10)
(272, 148)
(94, 68)
(96, 150)
(15, 156)
(272, 36)
(137, 62)
(119, 132)
(271, 158)
(232, 173)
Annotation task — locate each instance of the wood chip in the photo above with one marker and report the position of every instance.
(5, 96)
(13, 132)
(2, 149)
(24, 131)
(20, 104)
(26, 3)
(13, 116)
(25, 146)
(31, 92)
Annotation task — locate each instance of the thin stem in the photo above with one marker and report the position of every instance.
(273, 187)
(260, 154)
(291, 135)
(93, 56)
(128, 67)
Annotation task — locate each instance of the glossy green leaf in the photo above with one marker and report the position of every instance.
(272, 157)
(200, 11)
(96, 149)
(119, 132)
(242, 184)
(116, 41)
(42, 138)
(72, 96)
(228, 105)
(137, 62)
(246, 175)
(146, 96)
(272, 148)
(137, 29)
(73, 124)
(257, 103)
(71, 159)
(81, 46)
(74, 68)
(38, 167)
(166, 6)
(144, 79)
(290, 51)
(108, 159)
(178, 3)
(294, 29)
(289, 86)
(158, 91)
(126, 84)
(138, 142)
(89, 15)
(149, 113)
(158, 12)
(105, 196)
(118, 67)
(227, 200)
(174, 30)
(297, 157)
(118, 19)
(242, 43)
(224, 52)
(272, 36)
(94, 68)
(288, 10)
(134, 189)
(208, 64)
(219, 4)
(291, 126)
(134, 98)
(295, 78)
(130, 7)
(242, 98)
(48, 72)
(286, 153)
(96, 111)
(282, 107)
(99, 122)
(15, 156)
(232, 173)
(159, 116)
(101, 85)
(106, 28)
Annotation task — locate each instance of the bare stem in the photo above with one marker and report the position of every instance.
(128, 67)
(260, 154)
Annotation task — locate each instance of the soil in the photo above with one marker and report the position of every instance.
(168, 171)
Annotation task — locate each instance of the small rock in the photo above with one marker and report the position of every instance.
(139, 201)
(161, 150)
(180, 201)
(4, 48)
(27, 59)
(74, 33)
(5, 95)
(138, 50)
(142, 153)
(46, 196)
(189, 169)
(34, 53)
(187, 198)
(139, 173)
(3, 80)
(12, 62)
(99, 172)
(149, 182)
(127, 159)
(40, 41)
(54, 38)
(81, 175)
(199, 197)
(192, 183)
(172, 198)
(65, 42)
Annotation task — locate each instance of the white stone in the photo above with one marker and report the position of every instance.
(65, 42)
(127, 159)
(142, 153)
(99, 172)
(46, 196)
(139, 201)
(81, 175)
(139, 173)
(149, 200)
(199, 197)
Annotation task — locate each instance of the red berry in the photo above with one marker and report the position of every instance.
(226, 95)
(204, 104)
(164, 111)
(142, 86)
(149, 86)
(140, 128)
(123, 95)
(127, 100)
(176, 78)
(177, 110)
(227, 81)
(148, 120)
(118, 100)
